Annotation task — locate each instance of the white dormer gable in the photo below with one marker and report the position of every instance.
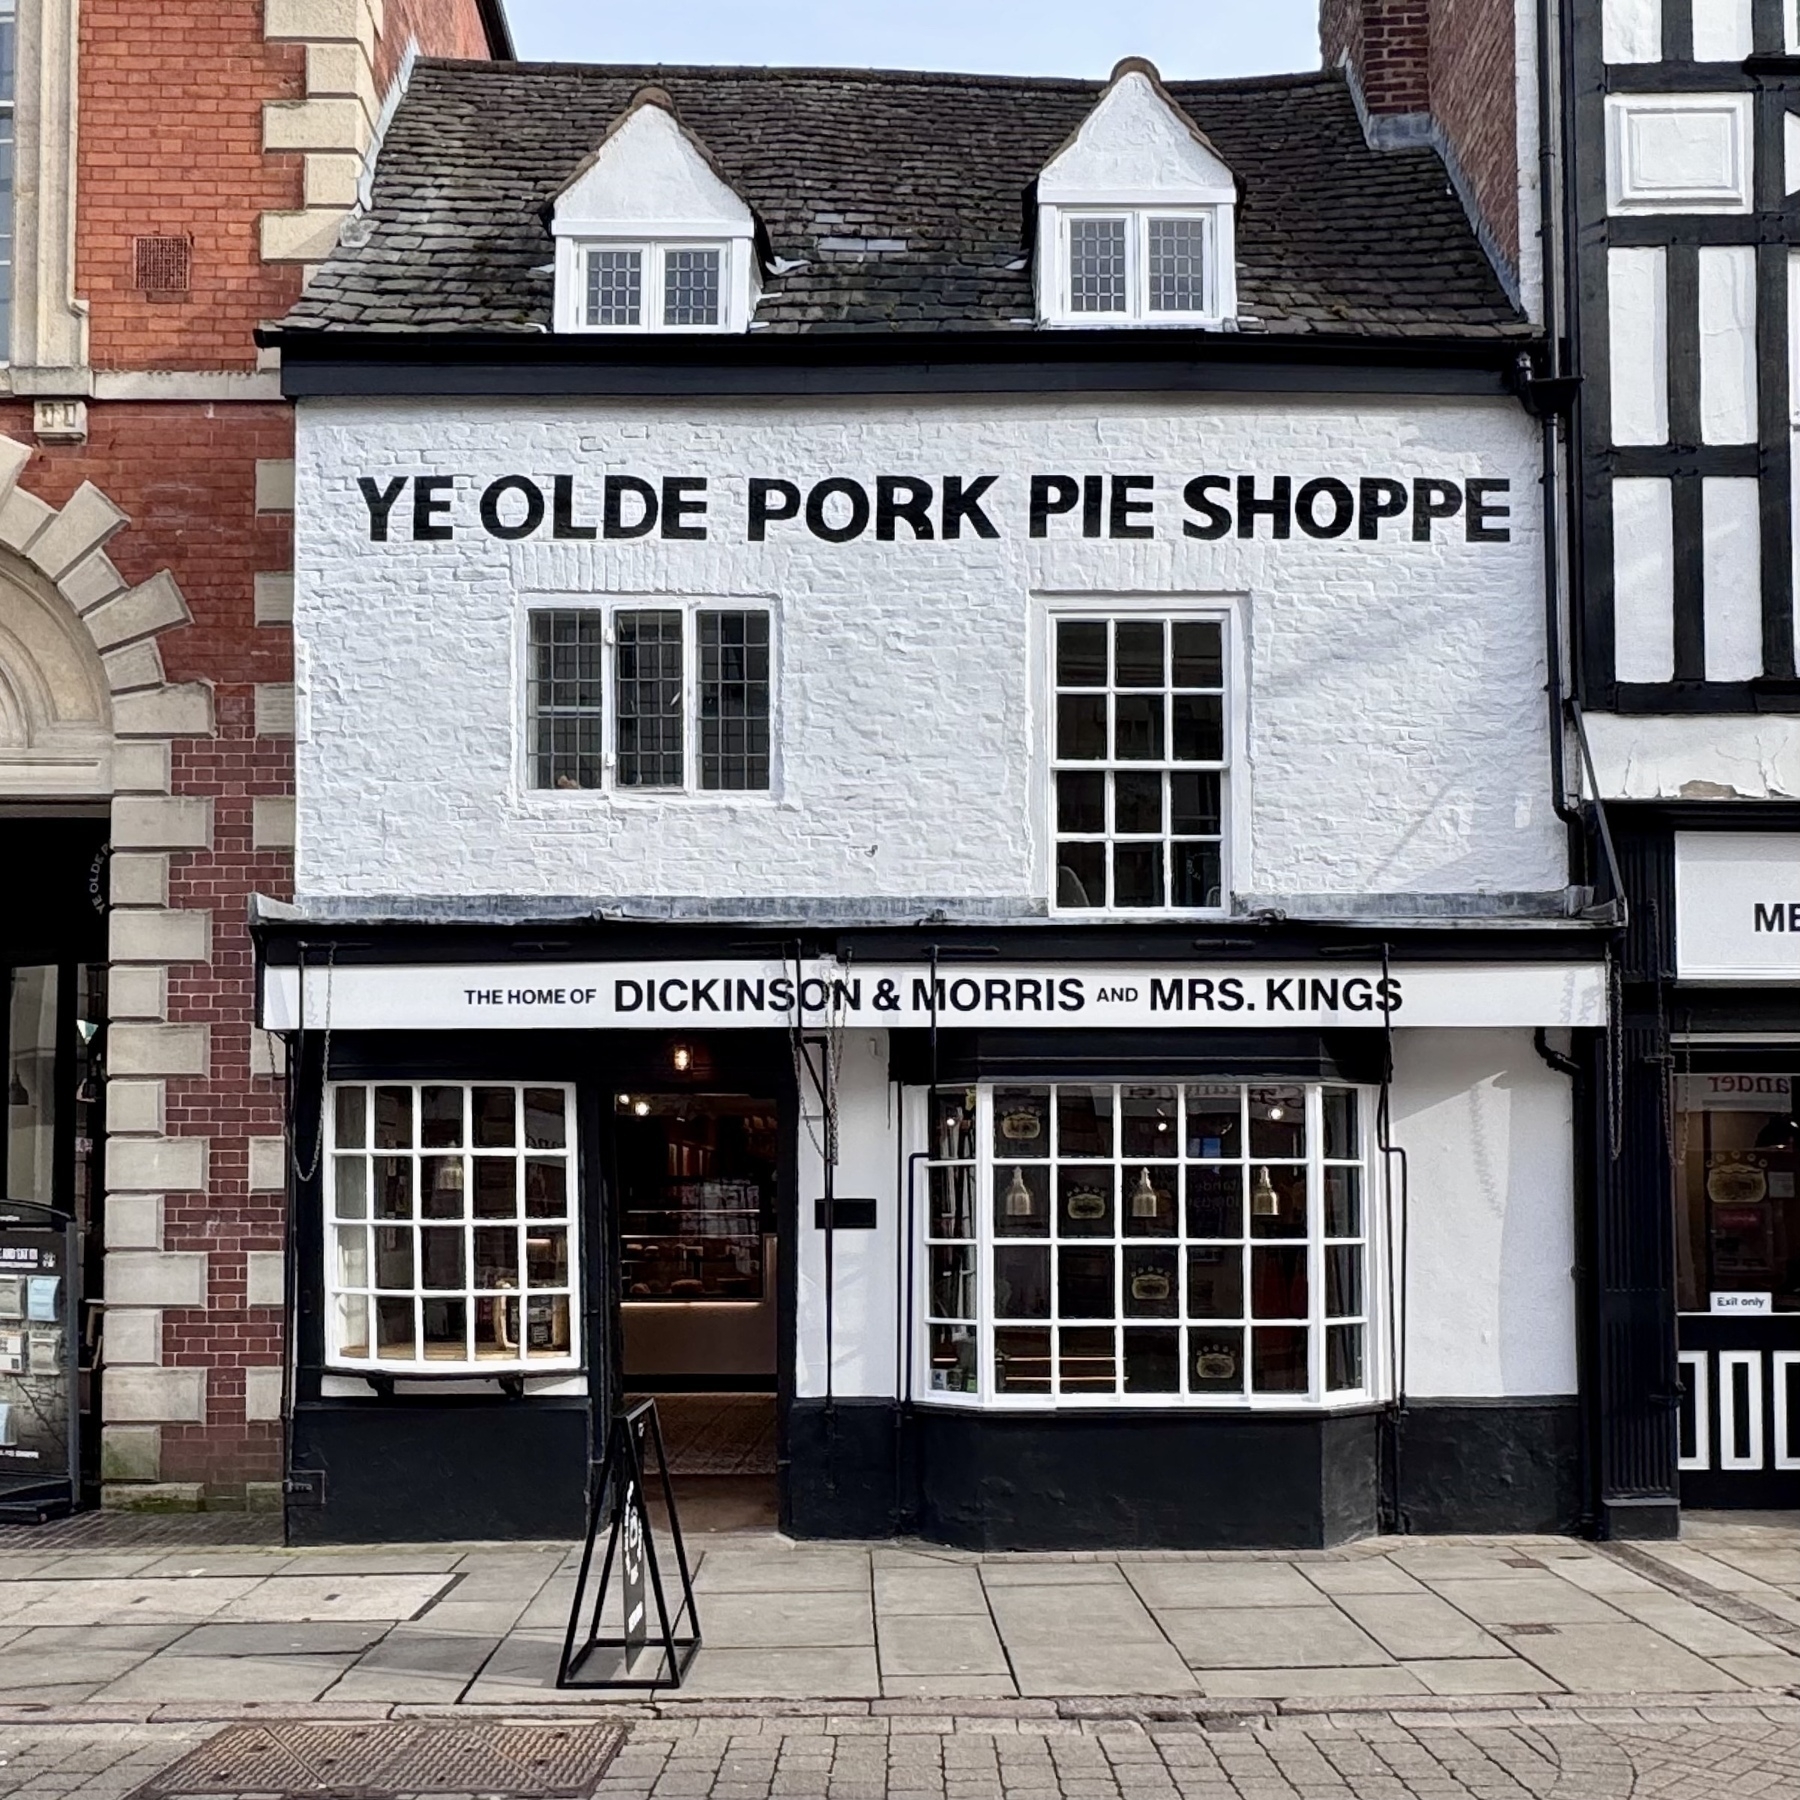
(1136, 216)
(650, 236)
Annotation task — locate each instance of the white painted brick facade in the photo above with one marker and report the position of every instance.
(1394, 718)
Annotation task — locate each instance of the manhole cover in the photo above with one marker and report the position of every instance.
(370, 1762)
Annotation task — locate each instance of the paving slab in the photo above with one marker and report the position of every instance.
(1309, 1683)
(423, 1650)
(259, 1563)
(1189, 1584)
(238, 1679)
(824, 1674)
(1419, 1626)
(1370, 1575)
(1526, 1599)
(1691, 1626)
(1066, 1664)
(133, 1601)
(956, 1644)
(1766, 1668)
(779, 1571)
(88, 1670)
(328, 1638)
(1089, 1615)
(1009, 1574)
(1483, 1675)
(947, 1687)
(1626, 1658)
(1269, 1637)
(342, 1596)
(811, 1618)
(921, 1588)
(380, 1559)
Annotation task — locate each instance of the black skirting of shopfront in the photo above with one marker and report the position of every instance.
(1177, 1480)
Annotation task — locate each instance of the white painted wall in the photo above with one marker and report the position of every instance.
(1394, 709)
(1487, 1128)
(1696, 756)
(1731, 558)
(1727, 343)
(1643, 579)
(1637, 290)
(1631, 31)
(866, 1274)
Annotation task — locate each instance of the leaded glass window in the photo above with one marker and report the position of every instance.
(565, 703)
(615, 287)
(1177, 265)
(647, 684)
(691, 287)
(734, 700)
(1097, 266)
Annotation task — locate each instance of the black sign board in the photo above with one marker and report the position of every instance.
(616, 1499)
(39, 1358)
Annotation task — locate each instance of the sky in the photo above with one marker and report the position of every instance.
(1186, 39)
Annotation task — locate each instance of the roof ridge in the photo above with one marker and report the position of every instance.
(1074, 84)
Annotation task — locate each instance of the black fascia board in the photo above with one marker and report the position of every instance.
(520, 365)
(499, 32)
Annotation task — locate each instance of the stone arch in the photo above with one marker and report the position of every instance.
(81, 677)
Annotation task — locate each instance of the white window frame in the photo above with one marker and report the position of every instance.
(1234, 858)
(372, 1363)
(735, 299)
(1315, 1399)
(1218, 253)
(610, 606)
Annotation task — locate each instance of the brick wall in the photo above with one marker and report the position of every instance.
(442, 28)
(171, 144)
(1387, 44)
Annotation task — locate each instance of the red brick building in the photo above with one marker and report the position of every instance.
(177, 169)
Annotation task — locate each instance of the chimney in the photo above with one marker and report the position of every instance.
(1443, 73)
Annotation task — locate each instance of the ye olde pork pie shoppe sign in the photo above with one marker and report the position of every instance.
(571, 507)
(749, 995)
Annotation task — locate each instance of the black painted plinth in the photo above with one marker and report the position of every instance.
(409, 1472)
(1646, 1521)
(1470, 1465)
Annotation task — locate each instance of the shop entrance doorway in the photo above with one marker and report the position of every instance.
(53, 1011)
(1737, 1249)
(695, 1177)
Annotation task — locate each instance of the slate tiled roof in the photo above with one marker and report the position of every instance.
(904, 199)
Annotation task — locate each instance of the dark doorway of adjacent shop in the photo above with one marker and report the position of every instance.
(53, 1044)
(695, 1176)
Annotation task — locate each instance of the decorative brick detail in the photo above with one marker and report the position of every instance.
(275, 484)
(272, 822)
(275, 709)
(133, 1335)
(156, 1163)
(275, 599)
(130, 1453)
(157, 1050)
(268, 1165)
(160, 1278)
(266, 1282)
(134, 1222)
(152, 1395)
(262, 1393)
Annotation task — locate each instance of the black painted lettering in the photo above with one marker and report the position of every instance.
(1093, 497)
(1050, 496)
(1481, 516)
(493, 520)
(1215, 520)
(1771, 918)
(770, 503)
(431, 503)
(1377, 498)
(1343, 507)
(1433, 500)
(380, 502)
(839, 487)
(964, 502)
(1278, 508)
(620, 488)
(678, 508)
(562, 511)
(899, 497)
(1126, 511)
(1165, 996)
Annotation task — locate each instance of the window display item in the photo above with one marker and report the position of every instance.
(7, 1440)
(1265, 1203)
(12, 1297)
(42, 1295)
(1085, 1203)
(12, 1353)
(1018, 1196)
(1143, 1197)
(46, 1352)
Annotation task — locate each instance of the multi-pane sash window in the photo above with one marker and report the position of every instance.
(8, 88)
(1139, 763)
(451, 1227)
(666, 698)
(1170, 1244)
(655, 287)
(1138, 266)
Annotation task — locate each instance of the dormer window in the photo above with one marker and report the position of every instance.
(1150, 267)
(656, 287)
(1135, 216)
(650, 236)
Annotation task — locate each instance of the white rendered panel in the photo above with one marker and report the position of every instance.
(1721, 30)
(1784, 1371)
(1695, 1375)
(1631, 31)
(1732, 553)
(1740, 1375)
(1790, 139)
(1643, 580)
(1728, 344)
(1678, 153)
(1637, 290)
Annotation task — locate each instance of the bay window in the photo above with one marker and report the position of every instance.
(451, 1221)
(1202, 1244)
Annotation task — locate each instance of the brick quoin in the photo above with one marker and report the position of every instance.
(171, 101)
